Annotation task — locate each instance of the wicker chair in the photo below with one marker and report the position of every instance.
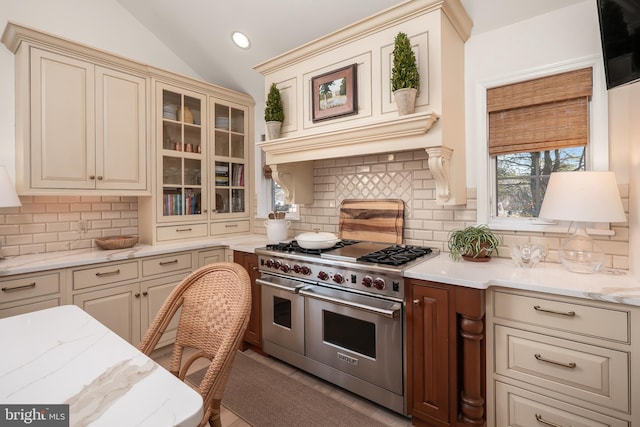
(215, 302)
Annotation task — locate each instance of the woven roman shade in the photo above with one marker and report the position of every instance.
(541, 114)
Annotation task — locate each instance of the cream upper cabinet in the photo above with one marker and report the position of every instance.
(81, 118)
(88, 125)
(203, 162)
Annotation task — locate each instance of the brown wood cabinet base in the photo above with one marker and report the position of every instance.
(253, 334)
(445, 354)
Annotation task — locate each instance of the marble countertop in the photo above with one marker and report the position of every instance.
(64, 259)
(545, 277)
(62, 355)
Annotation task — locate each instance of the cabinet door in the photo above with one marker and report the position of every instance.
(210, 257)
(121, 130)
(428, 352)
(229, 161)
(117, 308)
(154, 293)
(253, 334)
(62, 146)
(181, 147)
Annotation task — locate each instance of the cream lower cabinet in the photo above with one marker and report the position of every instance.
(211, 256)
(30, 292)
(125, 296)
(559, 361)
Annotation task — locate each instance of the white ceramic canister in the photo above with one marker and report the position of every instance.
(277, 230)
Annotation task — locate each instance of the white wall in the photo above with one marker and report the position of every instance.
(102, 24)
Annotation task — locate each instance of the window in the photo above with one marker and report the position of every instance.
(278, 202)
(522, 178)
(539, 122)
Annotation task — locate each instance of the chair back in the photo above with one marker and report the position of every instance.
(215, 303)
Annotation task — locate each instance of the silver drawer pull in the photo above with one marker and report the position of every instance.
(566, 365)
(545, 422)
(179, 230)
(19, 288)
(562, 313)
(175, 261)
(108, 273)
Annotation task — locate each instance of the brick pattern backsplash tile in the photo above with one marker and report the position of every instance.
(53, 223)
(406, 176)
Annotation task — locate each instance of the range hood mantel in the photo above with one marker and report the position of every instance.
(437, 30)
(361, 140)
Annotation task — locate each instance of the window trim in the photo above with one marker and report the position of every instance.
(597, 148)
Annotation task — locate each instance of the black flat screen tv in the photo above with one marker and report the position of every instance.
(620, 36)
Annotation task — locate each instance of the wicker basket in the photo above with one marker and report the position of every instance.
(117, 242)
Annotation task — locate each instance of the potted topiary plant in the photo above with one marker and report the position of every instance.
(273, 112)
(474, 243)
(405, 78)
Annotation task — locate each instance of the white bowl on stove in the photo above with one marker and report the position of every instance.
(317, 240)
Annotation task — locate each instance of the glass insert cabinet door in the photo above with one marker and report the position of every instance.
(229, 167)
(183, 147)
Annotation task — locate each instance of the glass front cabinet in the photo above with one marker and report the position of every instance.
(182, 148)
(202, 176)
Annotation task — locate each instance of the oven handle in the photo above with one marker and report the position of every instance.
(392, 314)
(292, 290)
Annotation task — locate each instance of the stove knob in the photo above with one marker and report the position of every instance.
(338, 278)
(367, 281)
(269, 263)
(277, 264)
(297, 268)
(378, 283)
(305, 270)
(323, 276)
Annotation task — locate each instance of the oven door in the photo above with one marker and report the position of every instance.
(356, 334)
(282, 312)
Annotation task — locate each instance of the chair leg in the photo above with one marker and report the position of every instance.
(214, 418)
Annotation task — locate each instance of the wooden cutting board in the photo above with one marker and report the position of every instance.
(372, 220)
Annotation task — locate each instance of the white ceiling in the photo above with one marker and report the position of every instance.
(199, 31)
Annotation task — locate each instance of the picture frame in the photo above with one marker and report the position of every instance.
(335, 94)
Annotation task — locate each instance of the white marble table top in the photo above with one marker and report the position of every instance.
(62, 355)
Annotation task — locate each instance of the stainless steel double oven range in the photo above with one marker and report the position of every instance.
(338, 313)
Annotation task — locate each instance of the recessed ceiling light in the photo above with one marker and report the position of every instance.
(241, 40)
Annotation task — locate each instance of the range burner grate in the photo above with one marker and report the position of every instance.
(294, 247)
(396, 255)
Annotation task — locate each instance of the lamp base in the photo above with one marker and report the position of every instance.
(580, 253)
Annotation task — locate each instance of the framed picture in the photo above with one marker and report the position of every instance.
(335, 94)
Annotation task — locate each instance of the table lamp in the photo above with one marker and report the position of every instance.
(582, 197)
(8, 196)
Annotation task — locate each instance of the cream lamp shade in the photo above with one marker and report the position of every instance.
(586, 196)
(582, 197)
(8, 196)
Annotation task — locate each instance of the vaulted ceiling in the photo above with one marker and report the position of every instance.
(199, 31)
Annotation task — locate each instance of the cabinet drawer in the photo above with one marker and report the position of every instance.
(167, 264)
(104, 274)
(516, 407)
(594, 374)
(229, 227)
(29, 287)
(609, 324)
(178, 232)
(28, 308)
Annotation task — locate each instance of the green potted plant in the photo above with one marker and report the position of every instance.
(405, 78)
(273, 112)
(474, 243)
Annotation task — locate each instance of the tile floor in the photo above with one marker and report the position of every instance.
(229, 419)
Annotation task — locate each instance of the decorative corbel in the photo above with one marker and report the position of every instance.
(439, 165)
